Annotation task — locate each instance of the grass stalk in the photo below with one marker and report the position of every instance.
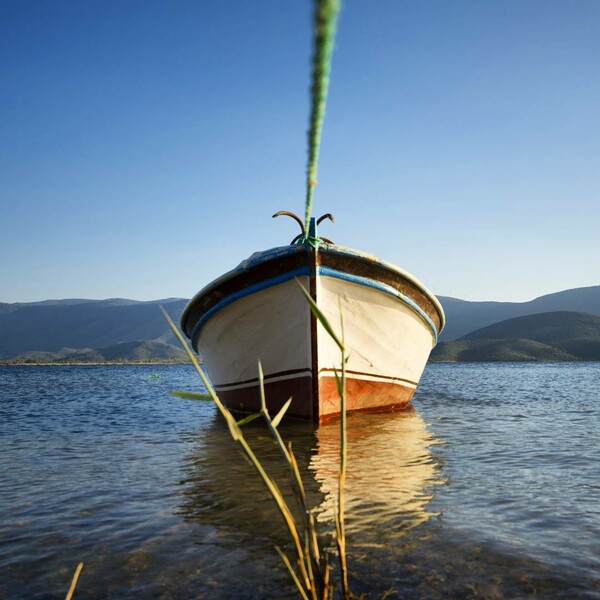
(287, 563)
(343, 461)
(238, 436)
(341, 386)
(341, 538)
(312, 578)
(74, 581)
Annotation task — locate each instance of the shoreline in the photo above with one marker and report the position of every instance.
(185, 362)
(91, 364)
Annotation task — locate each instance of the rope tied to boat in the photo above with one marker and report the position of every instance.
(325, 24)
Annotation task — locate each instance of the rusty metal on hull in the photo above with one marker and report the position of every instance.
(363, 396)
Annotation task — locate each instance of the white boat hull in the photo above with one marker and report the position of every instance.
(388, 337)
(388, 344)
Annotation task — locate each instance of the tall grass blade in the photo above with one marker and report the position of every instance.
(192, 396)
(309, 566)
(312, 578)
(312, 530)
(326, 589)
(286, 560)
(248, 419)
(281, 413)
(297, 478)
(193, 360)
(74, 581)
(338, 383)
(238, 436)
(261, 385)
(321, 317)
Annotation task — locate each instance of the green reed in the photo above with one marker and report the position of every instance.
(309, 567)
(74, 581)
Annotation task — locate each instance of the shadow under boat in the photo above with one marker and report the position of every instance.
(391, 478)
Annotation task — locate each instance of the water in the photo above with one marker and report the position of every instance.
(490, 488)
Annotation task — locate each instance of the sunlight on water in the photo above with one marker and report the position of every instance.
(391, 472)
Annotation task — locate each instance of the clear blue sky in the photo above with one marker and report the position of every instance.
(144, 145)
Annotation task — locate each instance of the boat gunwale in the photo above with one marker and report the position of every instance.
(243, 267)
(346, 251)
(278, 253)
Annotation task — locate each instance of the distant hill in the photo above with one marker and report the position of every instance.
(44, 329)
(40, 356)
(50, 326)
(463, 316)
(497, 350)
(547, 336)
(126, 352)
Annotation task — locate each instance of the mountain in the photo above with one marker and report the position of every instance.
(126, 352)
(546, 336)
(132, 352)
(463, 316)
(550, 327)
(50, 326)
(35, 356)
(497, 350)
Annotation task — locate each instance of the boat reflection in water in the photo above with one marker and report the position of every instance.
(391, 472)
(391, 478)
(223, 491)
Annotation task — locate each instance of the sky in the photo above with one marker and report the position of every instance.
(144, 145)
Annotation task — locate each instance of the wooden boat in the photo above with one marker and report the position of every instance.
(257, 311)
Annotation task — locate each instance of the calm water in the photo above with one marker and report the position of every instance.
(490, 488)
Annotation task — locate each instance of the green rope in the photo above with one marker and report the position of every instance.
(326, 13)
(311, 241)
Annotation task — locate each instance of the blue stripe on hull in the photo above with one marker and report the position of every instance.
(382, 287)
(251, 289)
(323, 272)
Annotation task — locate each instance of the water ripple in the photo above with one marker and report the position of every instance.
(487, 490)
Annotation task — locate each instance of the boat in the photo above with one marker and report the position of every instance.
(258, 312)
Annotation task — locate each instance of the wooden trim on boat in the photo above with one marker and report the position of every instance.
(280, 375)
(363, 396)
(267, 272)
(254, 380)
(370, 269)
(236, 281)
(388, 378)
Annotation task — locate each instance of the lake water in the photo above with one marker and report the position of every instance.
(489, 488)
